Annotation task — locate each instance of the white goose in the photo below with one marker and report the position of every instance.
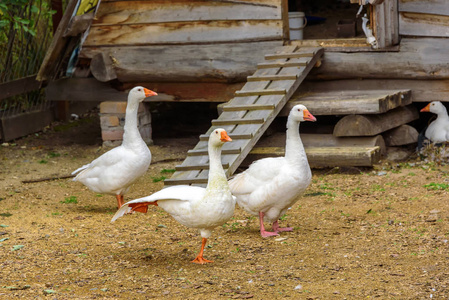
(115, 171)
(192, 206)
(271, 185)
(438, 130)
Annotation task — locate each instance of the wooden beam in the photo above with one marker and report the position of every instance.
(401, 135)
(421, 24)
(434, 7)
(346, 102)
(23, 124)
(320, 157)
(51, 59)
(185, 181)
(298, 54)
(205, 137)
(19, 86)
(369, 125)
(204, 152)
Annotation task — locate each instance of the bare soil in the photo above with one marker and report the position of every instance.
(358, 233)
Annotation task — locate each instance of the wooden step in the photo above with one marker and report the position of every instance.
(307, 53)
(271, 77)
(247, 107)
(247, 136)
(218, 122)
(204, 152)
(260, 92)
(325, 156)
(197, 167)
(187, 181)
(347, 102)
(288, 64)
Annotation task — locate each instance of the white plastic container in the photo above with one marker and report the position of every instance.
(296, 21)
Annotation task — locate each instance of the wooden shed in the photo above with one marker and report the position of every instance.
(224, 50)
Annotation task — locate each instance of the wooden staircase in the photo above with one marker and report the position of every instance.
(250, 112)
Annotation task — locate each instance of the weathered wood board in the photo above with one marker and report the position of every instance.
(401, 135)
(420, 58)
(420, 24)
(435, 7)
(142, 12)
(369, 125)
(422, 90)
(23, 124)
(324, 156)
(346, 102)
(194, 32)
(230, 62)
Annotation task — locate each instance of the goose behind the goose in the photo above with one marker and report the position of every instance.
(116, 170)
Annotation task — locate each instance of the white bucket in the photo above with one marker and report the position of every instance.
(296, 21)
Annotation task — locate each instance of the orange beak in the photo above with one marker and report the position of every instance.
(149, 93)
(308, 116)
(225, 137)
(426, 109)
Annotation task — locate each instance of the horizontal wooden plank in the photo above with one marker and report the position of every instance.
(20, 125)
(204, 152)
(185, 63)
(19, 86)
(422, 90)
(185, 181)
(140, 12)
(288, 64)
(219, 122)
(419, 24)
(205, 137)
(325, 156)
(184, 33)
(260, 92)
(247, 107)
(197, 167)
(346, 102)
(419, 58)
(436, 7)
(271, 77)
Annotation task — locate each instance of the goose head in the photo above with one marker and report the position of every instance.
(139, 93)
(218, 137)
(300, 113)
(435, 107)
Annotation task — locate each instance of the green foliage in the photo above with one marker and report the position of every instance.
(437, 186)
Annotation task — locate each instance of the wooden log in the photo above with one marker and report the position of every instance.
(324, 157)
(346, 102)
(420, 58)
(369, 125)
(401, 135)
(185, 63)
(102, 67)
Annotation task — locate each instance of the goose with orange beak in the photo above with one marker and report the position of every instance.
(438, 130)
(193, 206)
(271, 185)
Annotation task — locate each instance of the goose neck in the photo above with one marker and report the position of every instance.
(131, 133)
(294, 148)
(217, 175)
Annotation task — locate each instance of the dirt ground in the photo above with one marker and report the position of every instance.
(358, 233)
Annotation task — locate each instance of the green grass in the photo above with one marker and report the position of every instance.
(157, 179)
(71, 199)
(437, 186)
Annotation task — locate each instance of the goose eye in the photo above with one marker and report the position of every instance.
(216, 131)
(299, 109)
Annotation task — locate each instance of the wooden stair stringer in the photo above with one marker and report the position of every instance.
(246, 116)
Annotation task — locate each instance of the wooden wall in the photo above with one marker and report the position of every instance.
(182, 40)
(429, 18)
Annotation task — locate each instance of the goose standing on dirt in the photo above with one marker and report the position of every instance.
(115, 171)
(438, 130)
(192, 206)
(271, 185)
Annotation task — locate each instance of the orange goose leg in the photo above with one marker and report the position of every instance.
(200, 259)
